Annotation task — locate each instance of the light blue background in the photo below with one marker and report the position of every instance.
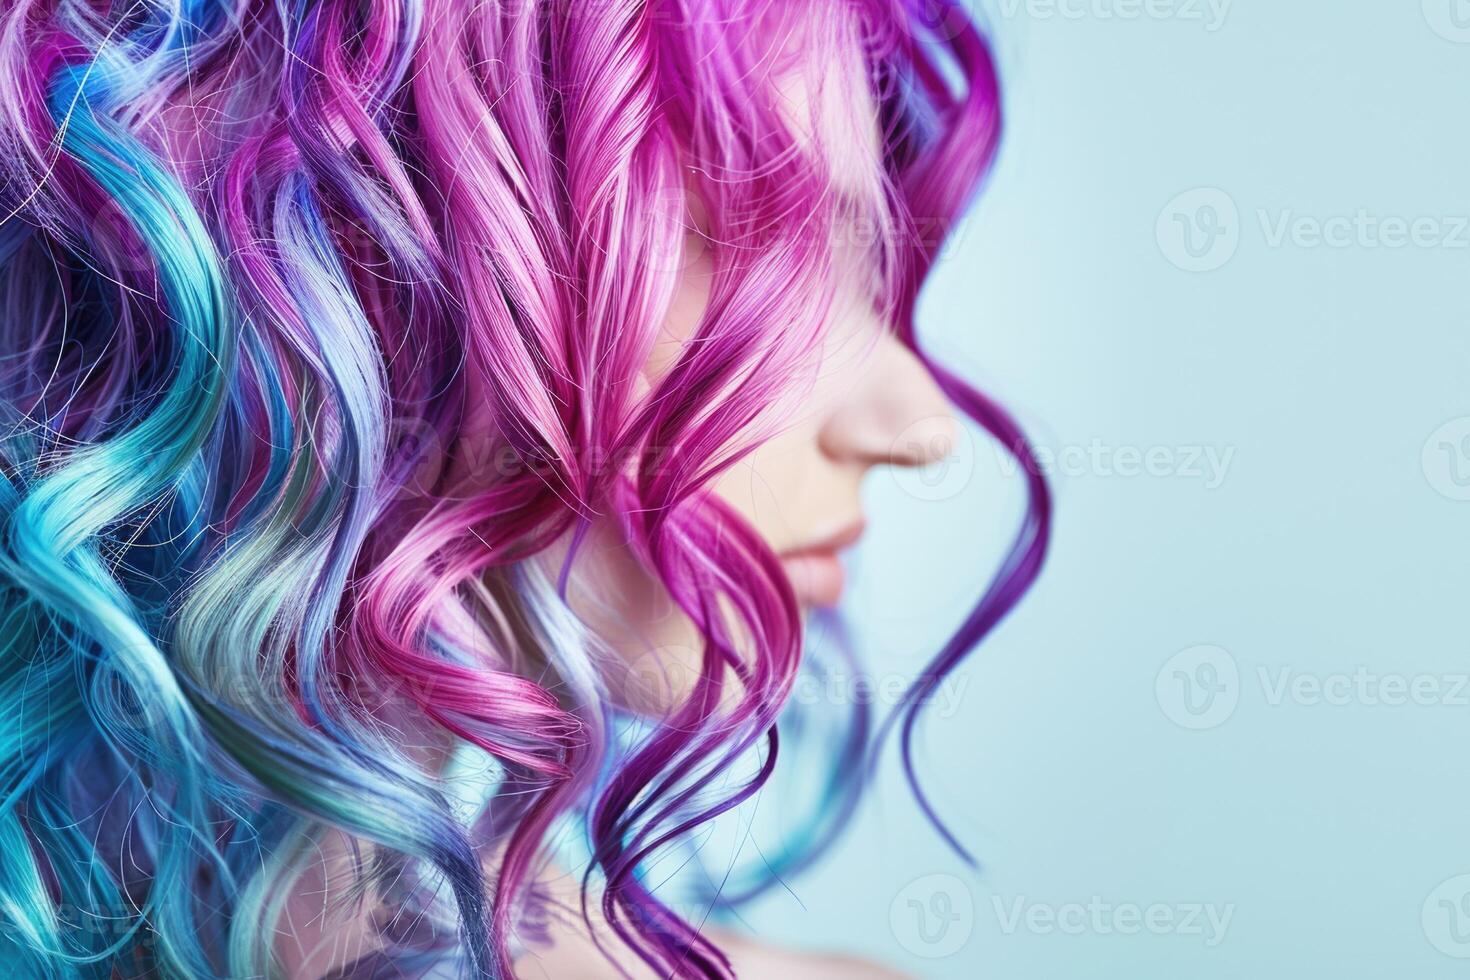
(1327, 547)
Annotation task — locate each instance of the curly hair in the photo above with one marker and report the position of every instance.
(320, 321)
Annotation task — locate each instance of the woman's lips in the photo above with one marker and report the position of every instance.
(816, 573)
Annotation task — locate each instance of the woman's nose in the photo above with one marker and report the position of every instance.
(892, 415)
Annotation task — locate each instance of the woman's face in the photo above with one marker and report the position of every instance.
(871, 403)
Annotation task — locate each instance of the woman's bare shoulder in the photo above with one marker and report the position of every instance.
(574, 961)
(566, 951)
(751, 958)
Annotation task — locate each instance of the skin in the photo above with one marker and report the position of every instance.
(322, 931)
(867, 403)
(871, 405)
(572, 955)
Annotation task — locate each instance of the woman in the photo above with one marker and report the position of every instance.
(428, 424)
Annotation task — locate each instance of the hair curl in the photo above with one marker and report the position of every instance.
(273, 276)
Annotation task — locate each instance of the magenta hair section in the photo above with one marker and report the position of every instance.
(324, 334)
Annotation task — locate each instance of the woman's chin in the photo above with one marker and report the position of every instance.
(817, 579)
